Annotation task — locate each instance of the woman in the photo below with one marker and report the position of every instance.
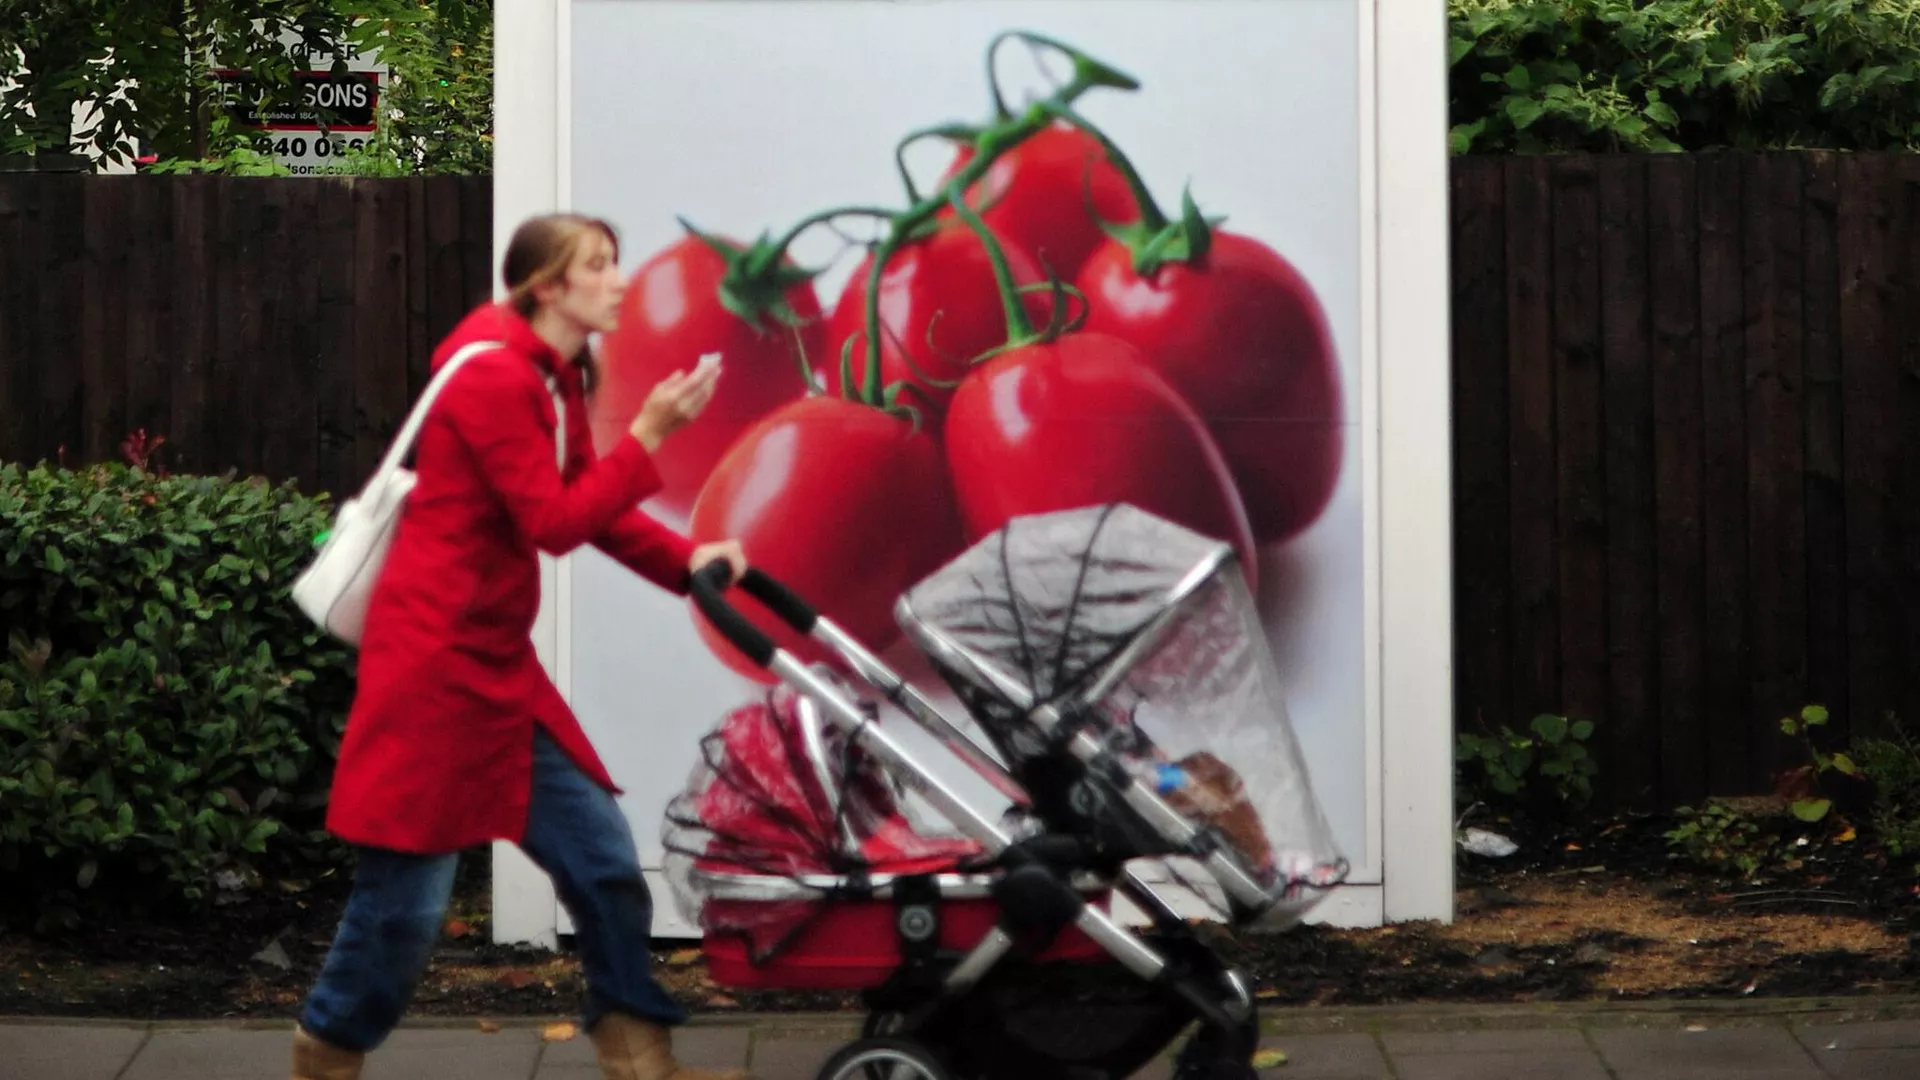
(456, 736)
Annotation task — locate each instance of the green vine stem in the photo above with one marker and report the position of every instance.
(951, 132)
(1004, 135)
(1153, 240)
(1019, 325)
(760, 267)
(756, 279)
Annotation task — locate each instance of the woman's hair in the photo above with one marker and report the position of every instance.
(540, 251)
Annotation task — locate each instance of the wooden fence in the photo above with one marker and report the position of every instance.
(280, 326)
(1687, 415)
(1687, 434)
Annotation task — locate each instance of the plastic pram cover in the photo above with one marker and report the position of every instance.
(786, 798)
(1148, 632)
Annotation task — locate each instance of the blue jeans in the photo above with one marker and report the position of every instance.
(576, 833)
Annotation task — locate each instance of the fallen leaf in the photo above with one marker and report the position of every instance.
(519, 980)
(1574, 847)
(274, 954)
(558, 1033)
(458, 929)
(1846, 834)
(489, 1027)
(1696, 1027)
(1269, 1059)
(1267, 994)
(721, 1001)
(684, 957)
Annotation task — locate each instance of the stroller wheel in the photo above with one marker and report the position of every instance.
(883, 1059)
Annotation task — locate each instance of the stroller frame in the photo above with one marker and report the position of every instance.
(1218, 997)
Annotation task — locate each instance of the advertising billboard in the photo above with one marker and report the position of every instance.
(966, 260)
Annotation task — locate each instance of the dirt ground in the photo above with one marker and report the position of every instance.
(1603, 914)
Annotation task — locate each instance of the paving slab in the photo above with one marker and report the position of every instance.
(1556, 1065)
(1869, 1064)
(423, 1054)
(212, 1053)
(700, 1047)
(1543, 1041)
(42, 1052)
(782, 1057)
(1869, 1035)
(1747, 1053)
(1327, 1057)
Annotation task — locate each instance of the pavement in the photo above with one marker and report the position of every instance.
(1837, 1039)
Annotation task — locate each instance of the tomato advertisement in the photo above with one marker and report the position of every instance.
(967, 260)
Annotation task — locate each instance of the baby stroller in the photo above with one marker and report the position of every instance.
(1112, 667)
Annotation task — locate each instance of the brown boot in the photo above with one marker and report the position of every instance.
(633, 1049)
(316, 1060)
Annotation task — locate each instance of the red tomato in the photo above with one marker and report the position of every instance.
(671, 314)
(1243, 338)
(844, 503)
(942, 283)
(1084, 421)
(1037, 193)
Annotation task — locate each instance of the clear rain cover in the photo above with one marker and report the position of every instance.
(1052, 601)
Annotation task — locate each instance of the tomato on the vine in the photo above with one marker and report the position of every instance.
(1239, 332)
(673, 312)
(846, 504)
(1080, 421)
(938, 300)
(1048, 196)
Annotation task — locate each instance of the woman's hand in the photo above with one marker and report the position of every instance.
(729, 550)
(675, 400)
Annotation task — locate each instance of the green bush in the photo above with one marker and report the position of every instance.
(1499, 770)
(1892, 764)
(168, 719)
(1667, 75)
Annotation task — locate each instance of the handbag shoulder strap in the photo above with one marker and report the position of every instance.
(560, 415)
(410, 431)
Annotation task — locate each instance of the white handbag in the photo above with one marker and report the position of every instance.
(334, 589)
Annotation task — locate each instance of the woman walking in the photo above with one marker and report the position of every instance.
(456, 736)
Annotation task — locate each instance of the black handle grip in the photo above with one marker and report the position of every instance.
(780, 600)
(709, 583)
(709, 588)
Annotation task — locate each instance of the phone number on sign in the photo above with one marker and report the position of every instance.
(299, 146)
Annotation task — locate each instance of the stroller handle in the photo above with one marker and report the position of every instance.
(709, 593)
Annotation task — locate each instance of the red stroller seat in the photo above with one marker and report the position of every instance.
(795, 849)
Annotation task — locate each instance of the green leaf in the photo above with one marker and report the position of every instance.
(1662, 114)
(1524, 111)
(1814, 715)
(1845, 764)
(88, 871)
(1551, 729)
(1519, 79)
(1460, 140)
(56, 562)
(1582, 730)
(1811, 810)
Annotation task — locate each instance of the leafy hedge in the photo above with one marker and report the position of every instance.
(168, 720)
(1533, 76)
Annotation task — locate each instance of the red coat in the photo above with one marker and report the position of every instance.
(439, 744)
